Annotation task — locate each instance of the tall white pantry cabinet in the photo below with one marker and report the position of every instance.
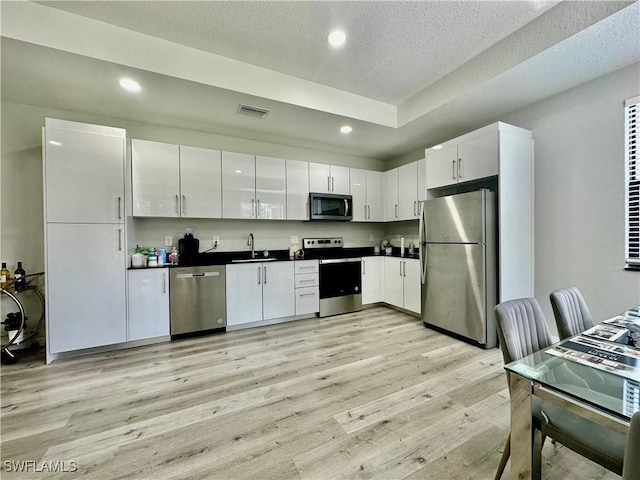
(84, 215)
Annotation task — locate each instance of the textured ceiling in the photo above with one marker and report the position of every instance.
(411, 74)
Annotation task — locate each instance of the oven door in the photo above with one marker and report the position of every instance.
(340, 277)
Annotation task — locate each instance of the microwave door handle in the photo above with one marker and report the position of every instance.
(346, 208)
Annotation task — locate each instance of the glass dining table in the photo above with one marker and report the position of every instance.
(595, 374)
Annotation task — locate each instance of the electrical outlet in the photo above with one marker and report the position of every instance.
(168, 241)
(216, 241)
(294, 239)
(371, 238)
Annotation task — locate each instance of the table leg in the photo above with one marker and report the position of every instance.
(521, 430)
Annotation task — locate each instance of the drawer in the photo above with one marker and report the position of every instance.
(307, 280)
(307, 300)
(306, 266)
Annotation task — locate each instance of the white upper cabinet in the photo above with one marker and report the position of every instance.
(297, 190)
(238, 185)
(155, 179)
(200, 183)
(408, 191)
(328, 179)
(84, 174)
(359, 194)
(422, 180)
(391, 210)
(366, 190)
(271, 188)
(468, 160)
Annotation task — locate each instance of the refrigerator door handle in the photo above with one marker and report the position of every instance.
(422, 247)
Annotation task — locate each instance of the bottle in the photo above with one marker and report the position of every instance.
(20, 281)
(5, 276)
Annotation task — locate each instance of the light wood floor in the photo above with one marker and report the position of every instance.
(366, 395)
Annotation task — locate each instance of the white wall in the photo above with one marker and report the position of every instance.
(579, 192)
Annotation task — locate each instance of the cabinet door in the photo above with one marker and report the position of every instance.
(375, 196)
(297, 190)
(278, 298)
(307, 300)
(442, 167)
(408, 191)
(200, 183)
(244, 293)
(412, 285)
(391, 211)
(478, 158)
(148, 303)
(238, 185)
(271, 188)
(371, 280)
(85, 285)
(359, 194)
(155, 176)
(422, 181)
(340, 180)
(393, 281)
(84, 176)
(319, 178)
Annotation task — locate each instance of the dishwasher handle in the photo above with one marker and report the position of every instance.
(198, 275)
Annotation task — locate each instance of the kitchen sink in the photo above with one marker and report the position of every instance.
(251, 260)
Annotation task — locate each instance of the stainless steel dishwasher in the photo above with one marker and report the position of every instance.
(197, 299)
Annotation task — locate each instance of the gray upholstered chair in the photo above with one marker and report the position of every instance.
(631, 468)
(522, 330)
(571, 312)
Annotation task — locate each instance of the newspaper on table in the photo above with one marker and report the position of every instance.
(612, 346)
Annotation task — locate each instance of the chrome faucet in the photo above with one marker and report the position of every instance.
(250, 243)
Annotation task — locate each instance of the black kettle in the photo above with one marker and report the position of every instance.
(188, 249)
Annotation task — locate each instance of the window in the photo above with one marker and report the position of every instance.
(632, 182)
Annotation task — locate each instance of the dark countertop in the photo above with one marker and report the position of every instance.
(225, 258)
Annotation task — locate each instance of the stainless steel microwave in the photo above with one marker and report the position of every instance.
(328, 206)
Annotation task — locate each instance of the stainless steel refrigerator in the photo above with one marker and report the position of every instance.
(458, 259)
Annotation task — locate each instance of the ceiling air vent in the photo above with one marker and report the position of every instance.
(253, 111)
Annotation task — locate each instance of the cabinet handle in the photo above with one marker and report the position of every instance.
(119, 239)
(369, 215)
(265, 274)
(184, 205)
(164, 283)
(253, 208)
(415, 205)
(460, 168)
(307, 266)
(364, 268)
(120, 208)
(365, 212)
(400, 268)
(332, 185)
(328, 184)
(258, 208)
(258, 275)
(177, 204)
(306, 294)
(396, 210)
(405, 269)
(453, 169)
(305, 281)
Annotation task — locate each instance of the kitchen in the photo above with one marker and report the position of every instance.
(23, 223)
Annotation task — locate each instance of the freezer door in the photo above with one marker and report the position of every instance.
(454, 294)
(456, 218)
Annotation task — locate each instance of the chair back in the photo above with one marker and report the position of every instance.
(522, 328)
(631, 466)
(571, 312)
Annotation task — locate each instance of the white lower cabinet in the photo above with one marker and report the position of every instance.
(259, 291)
(307, 283)
(86, 278)
(148, 304)
(372, 280)
(402, 285)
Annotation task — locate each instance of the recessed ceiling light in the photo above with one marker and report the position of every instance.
(346, 129)
(53, 142)
(437, 147)
(336, 38)
(130, 85)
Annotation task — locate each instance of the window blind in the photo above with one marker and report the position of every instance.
(632, 182)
